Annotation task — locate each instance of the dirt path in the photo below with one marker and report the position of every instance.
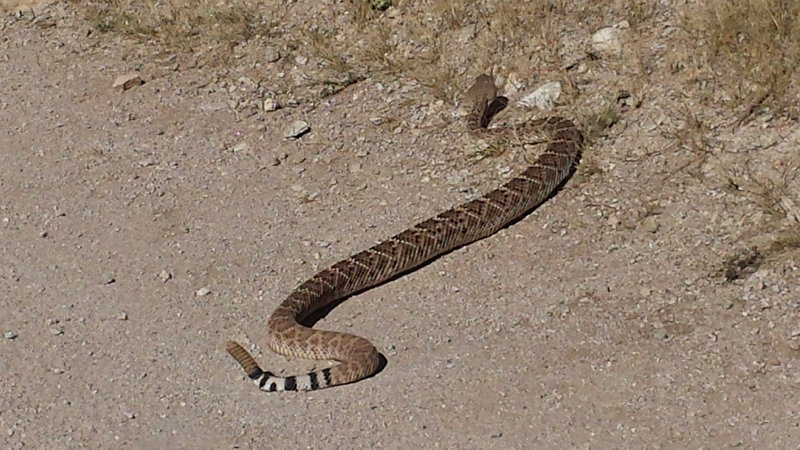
(602, 320)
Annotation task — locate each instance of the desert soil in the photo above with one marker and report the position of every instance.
(141, 229)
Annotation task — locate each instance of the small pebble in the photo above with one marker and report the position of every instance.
(202, 292)
(122, 316)
(270, 104)
(165, 275)
(755, 283)
(10, 335)
(297, 129)
(241, 146)
(128, 80)
(650, 224)
(272, 54)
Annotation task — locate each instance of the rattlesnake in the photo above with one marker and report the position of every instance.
(461, 225)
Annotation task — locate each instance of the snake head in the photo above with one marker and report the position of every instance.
(482, 91)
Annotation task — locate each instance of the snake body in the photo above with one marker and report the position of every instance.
(458, 226)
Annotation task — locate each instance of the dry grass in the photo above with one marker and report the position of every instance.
(785, 241)
(751, 50)
(439, 43)
(694, 138)
(178, 24)
(769, 190)
(742, 264)
(641, 12)
(745, 58)
(418, 38)
(361, 11)
(748, 48)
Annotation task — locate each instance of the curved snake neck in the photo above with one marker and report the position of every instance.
(456, 227)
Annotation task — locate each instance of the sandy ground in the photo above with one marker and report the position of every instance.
(601, 320)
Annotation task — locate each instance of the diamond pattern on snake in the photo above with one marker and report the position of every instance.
(356, 356)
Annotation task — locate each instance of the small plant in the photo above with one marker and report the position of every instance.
(768, 191)
(743, 264)
(694, 136)
(105, 24)
(380, 5)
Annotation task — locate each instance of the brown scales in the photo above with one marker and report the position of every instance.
(461, 225)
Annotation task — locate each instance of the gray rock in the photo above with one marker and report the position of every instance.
(296, 129)
(165, 275)
(544, 97)
(270, 104)
(127, 81)
(606, 41)
(272, 54)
